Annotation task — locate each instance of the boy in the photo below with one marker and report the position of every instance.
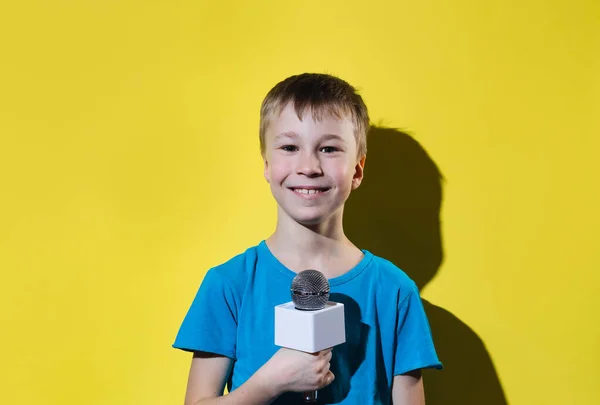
(313, 131)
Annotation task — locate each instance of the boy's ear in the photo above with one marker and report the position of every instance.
(359, 172)
(266, 169)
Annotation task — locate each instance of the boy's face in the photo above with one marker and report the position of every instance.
(311, 166)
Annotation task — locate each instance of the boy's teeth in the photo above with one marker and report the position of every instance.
(306, 191)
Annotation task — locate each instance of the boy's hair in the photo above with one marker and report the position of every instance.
(324, 95)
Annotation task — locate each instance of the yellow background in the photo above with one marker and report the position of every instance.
(129, 165)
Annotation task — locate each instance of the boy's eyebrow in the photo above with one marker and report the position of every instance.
(288, 134)
(328, 137)
(325, 137)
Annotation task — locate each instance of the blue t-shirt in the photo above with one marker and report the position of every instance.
(387, 331)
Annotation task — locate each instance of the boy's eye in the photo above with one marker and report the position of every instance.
(329, 149)
(289, 148)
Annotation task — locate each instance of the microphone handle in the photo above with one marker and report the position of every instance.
(310, 396)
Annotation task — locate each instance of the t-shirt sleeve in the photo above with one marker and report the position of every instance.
(414, 348)
(210, 324)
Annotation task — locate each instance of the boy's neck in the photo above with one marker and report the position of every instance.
(323, 247)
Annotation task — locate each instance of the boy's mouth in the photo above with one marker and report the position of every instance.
(309, 190)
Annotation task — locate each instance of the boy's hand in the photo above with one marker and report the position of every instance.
(296, 371)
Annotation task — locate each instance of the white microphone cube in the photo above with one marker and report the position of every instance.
(309, 331)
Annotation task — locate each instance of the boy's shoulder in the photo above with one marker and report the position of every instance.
(390, 281)
(239, 265)
(231, 276)
(390, 273)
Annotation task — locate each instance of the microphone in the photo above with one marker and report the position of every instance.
(311, 322)
(310, 292)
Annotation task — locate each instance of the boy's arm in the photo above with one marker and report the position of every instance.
(407, 389)
(287, 370)
(208, 376)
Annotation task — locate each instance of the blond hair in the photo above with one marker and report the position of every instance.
(324, 95)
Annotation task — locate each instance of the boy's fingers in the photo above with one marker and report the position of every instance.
(330, 377)
(325, 351)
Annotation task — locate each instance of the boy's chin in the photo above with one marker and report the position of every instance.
(309, 217)
(312, 220)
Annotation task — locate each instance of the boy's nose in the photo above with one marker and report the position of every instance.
(309, 165)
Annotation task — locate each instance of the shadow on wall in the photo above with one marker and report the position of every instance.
(395, 214)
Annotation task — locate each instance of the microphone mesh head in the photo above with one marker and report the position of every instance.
(310, 290)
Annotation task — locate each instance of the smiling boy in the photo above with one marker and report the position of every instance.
(313, 142)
